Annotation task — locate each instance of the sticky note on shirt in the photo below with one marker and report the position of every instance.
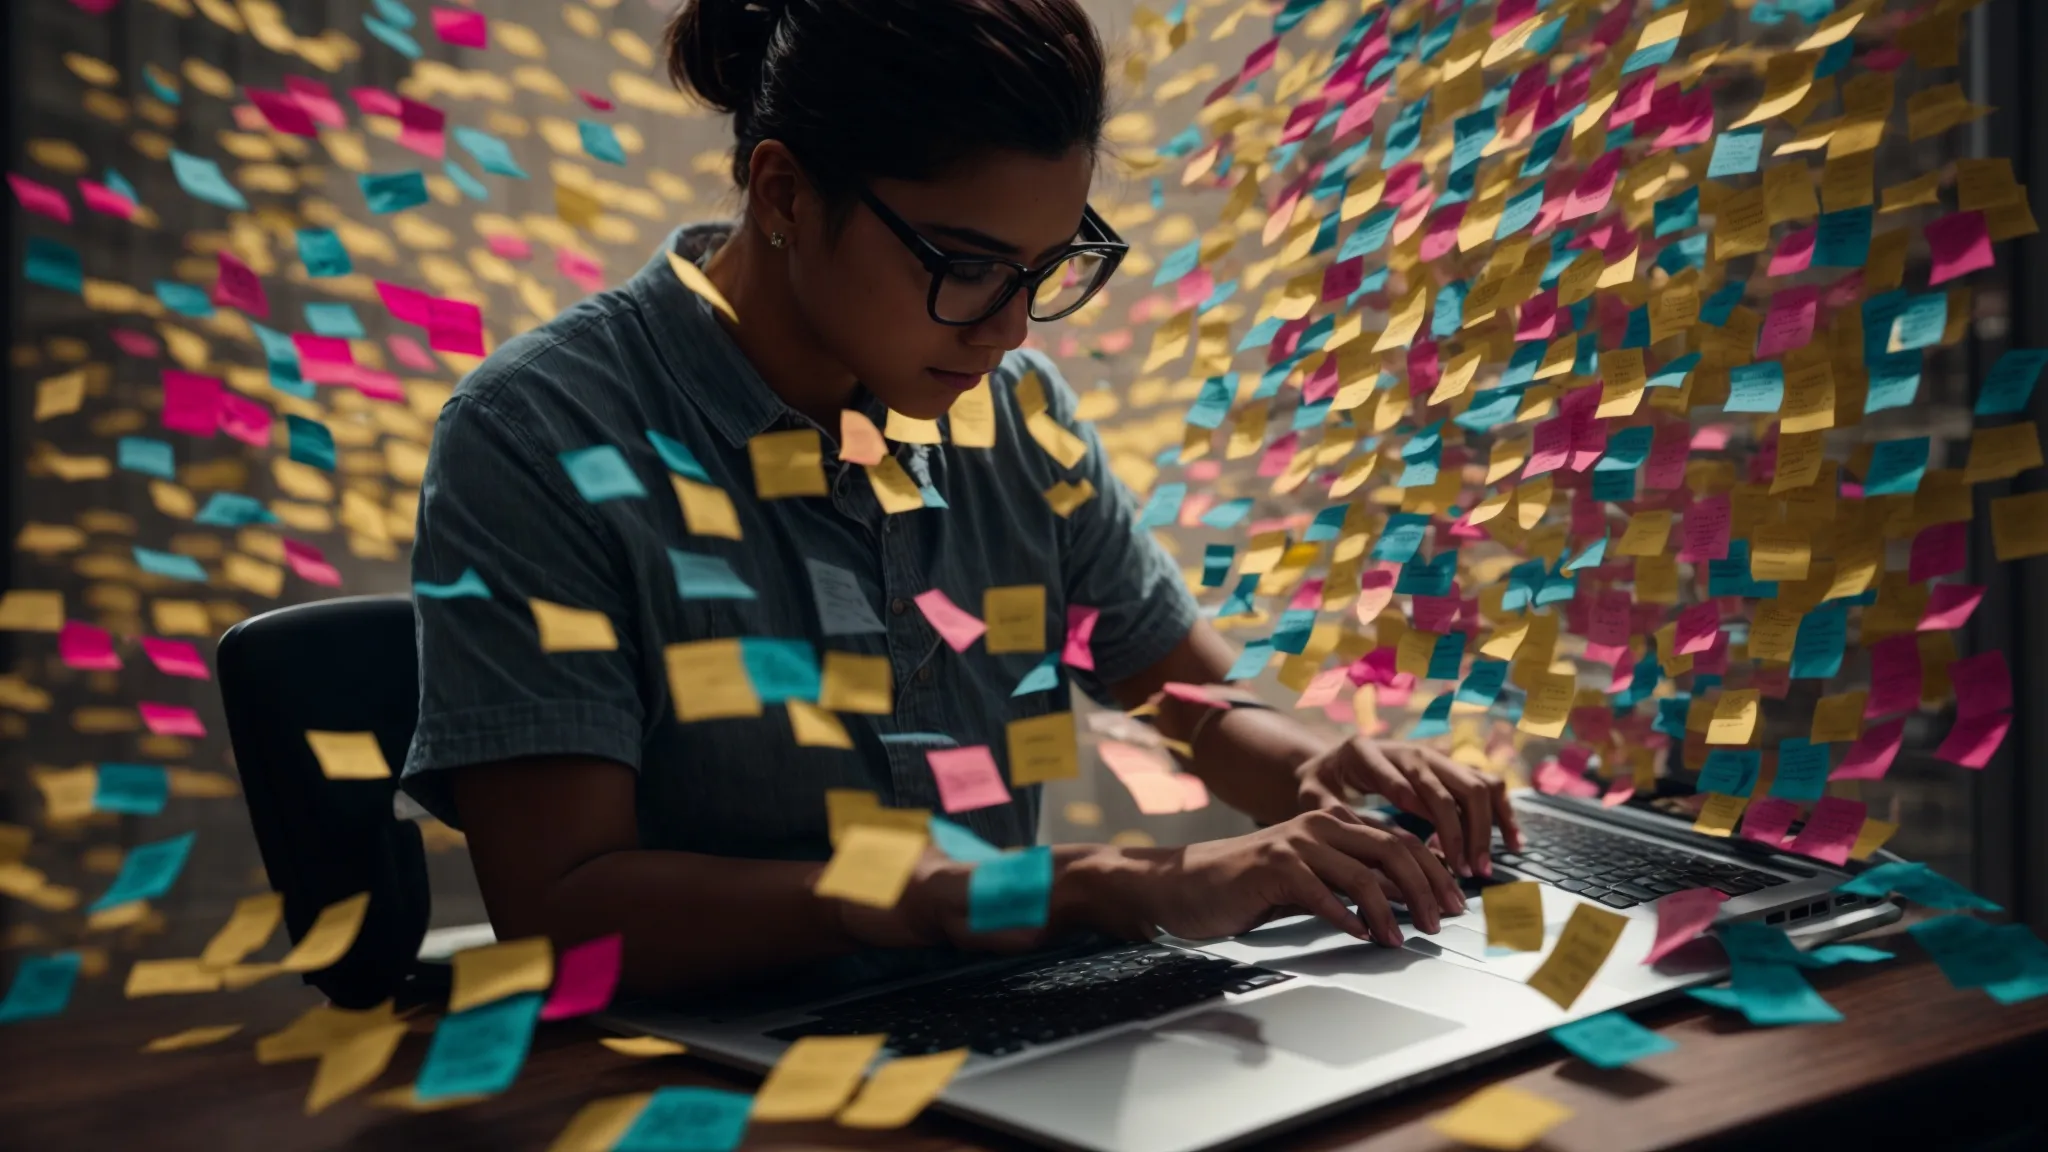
(1500, 1116)
(707, 509)
(1514, 915)
(479, 1051)
(872, 865)
(856, 683)
(957, 626)
(815, 1077)
(495, 971)
(900, 1089)
(709, 680)
(967, 778)
(787, 464)
(566, 629)
(1587, 939)
(845, 607)
(600, 473)
(1015, 617)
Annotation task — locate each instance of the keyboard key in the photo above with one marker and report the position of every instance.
(1540, 872)
(1617, 900)
(1638, 893)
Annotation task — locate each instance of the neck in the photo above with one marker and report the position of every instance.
(783, 348)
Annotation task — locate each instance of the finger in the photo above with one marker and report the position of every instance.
(1441, 881)
(1341, 871)
(1392, 857)
(1307, 890)
(1504, 811)
(1473, 804)
(1441, 808)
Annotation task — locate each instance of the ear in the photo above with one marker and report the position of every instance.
(779, 195)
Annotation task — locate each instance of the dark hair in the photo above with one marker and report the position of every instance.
(894, 88)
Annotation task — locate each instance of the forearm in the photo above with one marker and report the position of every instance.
(1246, 756)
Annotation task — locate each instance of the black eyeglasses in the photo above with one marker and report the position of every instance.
(970, 289)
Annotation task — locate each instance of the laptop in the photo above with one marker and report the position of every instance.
(1181, 1046)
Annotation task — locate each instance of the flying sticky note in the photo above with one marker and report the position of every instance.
(1500, 1116)
(469, 585)
(697, 1119)
(600, 142)
(958, 627)
(249, 927)
(1013, 890)
(1015, 617)
(198, 1037)
(967, 778)
(814, 727)
(390, 192)
(601, 473)
(1042, 748)
(600, 1124)
(585, 978)
(349, 755)
(900, 1089)
(702, 577)
(844, 605)
(132, 789)
(479, 1051)
(709, 680)
(202, 179)
(28, 610)
(1080, 634)
(1587, 939)
(329, 939)
(643, 1046)
(352, 1063)
(1681, 917)
(872, 865)
(815, 1077)
(566, 629)
(494, 971)
(1610, 1040)
(147, 872)
(788, 464)
(1514, 915)
(42, 987)
(490, 153)
(460, 27)
(856, 683)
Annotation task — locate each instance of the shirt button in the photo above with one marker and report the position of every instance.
(924, 674)
(899, 606)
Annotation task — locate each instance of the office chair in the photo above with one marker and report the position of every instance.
(343, 665)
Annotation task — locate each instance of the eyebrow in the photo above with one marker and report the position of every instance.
(982, 239)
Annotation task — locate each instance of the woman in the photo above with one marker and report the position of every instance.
(915, 177)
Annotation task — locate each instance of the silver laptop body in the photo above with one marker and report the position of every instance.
(1353, 1022)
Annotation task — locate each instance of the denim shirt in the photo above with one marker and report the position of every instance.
(652, 356)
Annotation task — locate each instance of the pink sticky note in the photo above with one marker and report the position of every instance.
(1767, 820)
(176, 658)
(135, 343)
(1324, 688)
(1949, 606)
(1957, 244)
(407, 305)
(95, 7)
(1619, 790)
(315, 349)
(282, 111)
(1871, 756)
(584, 270)
(1697, 627)
(245, 420)
(191, 402)
(467, 30)
(327, 372)
(422, 128)
(967, 778)
(410, 353)
(1795, 252)
(105, 200)
(1080, 632)
(1788, 321)
(1983, 684)
(376, 385)
(1830, 829)
(1279, 454)
(375, 101)
(1594, 188)
(1974, 739)
(80, 645)
(1193, 794)
(310, 563)
(318, 102)
(1706, 526)
(171, 720)
(957, 626)
(237, 286)
(1938, 550)
(1894, 676)
(509, 247)
(1442, 234)
(597, 102)
(1682, 916)
(453, 326)
(585, 978)
(40, 199)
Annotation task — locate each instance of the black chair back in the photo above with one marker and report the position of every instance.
(343, 665)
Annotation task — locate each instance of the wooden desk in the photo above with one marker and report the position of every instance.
(1916, 1064)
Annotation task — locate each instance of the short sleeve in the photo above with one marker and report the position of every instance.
(495, 501)
(1111, 564)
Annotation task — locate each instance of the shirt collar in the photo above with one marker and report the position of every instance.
(701, 355)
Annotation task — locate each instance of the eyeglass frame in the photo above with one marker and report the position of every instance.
(938, 262)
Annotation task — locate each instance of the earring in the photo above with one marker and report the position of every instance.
(776, 240)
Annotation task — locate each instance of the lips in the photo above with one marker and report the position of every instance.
(957, 380)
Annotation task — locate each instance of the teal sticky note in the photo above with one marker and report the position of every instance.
(468, 185)
(1240, 598)
(184, 299)
(1894, 382)
(2010, 383)
(1844, 240)
(1590, 557)
(1920, 324)
(469, 585)
(933, 739)
(323, 253)
(1213, 403)
(171, 565)
(233, 510)
(1402, 537)
(1966, 949)
(1802, 770)
(310, 442)
(1435, 719)
(1918, 883)
(1011, 891)
(960, 844)
(2029, 977)
(1520, 211)
(1756, 387)
(932, 498)
(1896, 466)
(147, 456)
(1823, 635)
(702, 577)
(600, 473)
(395, 13)
(393, 191)
(490, 153)
(42, 987)
(478, 1052)
(332, 318)
(203, 180)
(51, 264)
(1176, 264)
(1610, 1040)
(1216, 560)
(394, 37)
(600, 142)
(1043, 677)
(677, 457)
(1736, 153)
(688, 1120)
(131, 789)
(1730, 771)
(1162, 508)
(1483, 683)
(1771, 994)
(146, 873)
(781, 669)
(1227, 514)
(1446, 656)
(1675, 214)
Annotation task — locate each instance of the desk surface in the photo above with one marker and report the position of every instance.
(1911, 1044)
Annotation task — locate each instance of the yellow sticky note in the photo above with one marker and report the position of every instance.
(894, 489)
(250, 927)
(790, 463)
(1016, 618)
(328, 940)
(1838, 718)
(15, 839)
(317, 1029)
(60, 395)
(1787, 77)
(872, 865)
(972, 419)
(1580, 950)
(496, 971)
(845, 807)
(25, 610)
(1549, 705)
(2019, 525)
(643, 1046)
(692, 276)
(1500, 1116)
(352, 1064)
(855, 683)
(815, 727)
(1043, 748)
(2002, 452)
(911, 430)
(1065, 497)
(1734, 717)
(709, 681)
(600, 1124)
(900, 1089)
(1646, 534)
(815, 1077)
(707, 509)
(1780, 552)
(1514, 915)
(192, 1038)
(350, 755)
(1059, 443)
(566, 629)
(170, 977)
(1871, 837)
(1718, 815)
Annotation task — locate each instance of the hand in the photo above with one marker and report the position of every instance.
(1224, 887)
(1461, 802)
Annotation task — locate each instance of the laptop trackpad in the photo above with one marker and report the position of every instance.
(1326, 1024)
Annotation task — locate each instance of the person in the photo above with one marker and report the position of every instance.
(914, 177)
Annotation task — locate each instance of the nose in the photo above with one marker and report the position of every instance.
(1005, 329)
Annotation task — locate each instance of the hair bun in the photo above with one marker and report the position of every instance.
(717, 48)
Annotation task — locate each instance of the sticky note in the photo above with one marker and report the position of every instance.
(1610, 1040)
(490, 153)
(1681, 917)
(42, 987)
(600, 1124)
(900, 1089)
(1802, 770)
(2019, 525)
(198, 1037)
(462, 28)
(1587, 939)
(1918, 883)
(643, 1046)
(957, 842)
(872, 865)
(170, 978)
(1500, 1116)
(2009, 385)
(348, 755)
(856, 683)
(1015, 617)
(787, 464)
(479, 1051)
(845, 607)
(1974, 739)
(601, 473)
(1042, 748)
(323, 253)
(203, 180)
(704, 577)
(565, 629)
(147, 872)
(1013, 890)
(1514, 915)
(958, 627)
(1736, 153)
(495, 971)
(707, 509)
(967, 778)
(30, 610)
(1830, 830)
(815, 1077)
(709, 680)
(814, 727)
(469, 585)
(1734, 720)
(1080, 633)
(132, 789)
(600, 142)
(352, 1063)
(697, 1119)
(330, 937)
(249, 927)
(1718, 815)
(389, 192)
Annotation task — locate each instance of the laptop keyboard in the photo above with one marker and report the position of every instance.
(1003, 1012)
(1620, 871)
